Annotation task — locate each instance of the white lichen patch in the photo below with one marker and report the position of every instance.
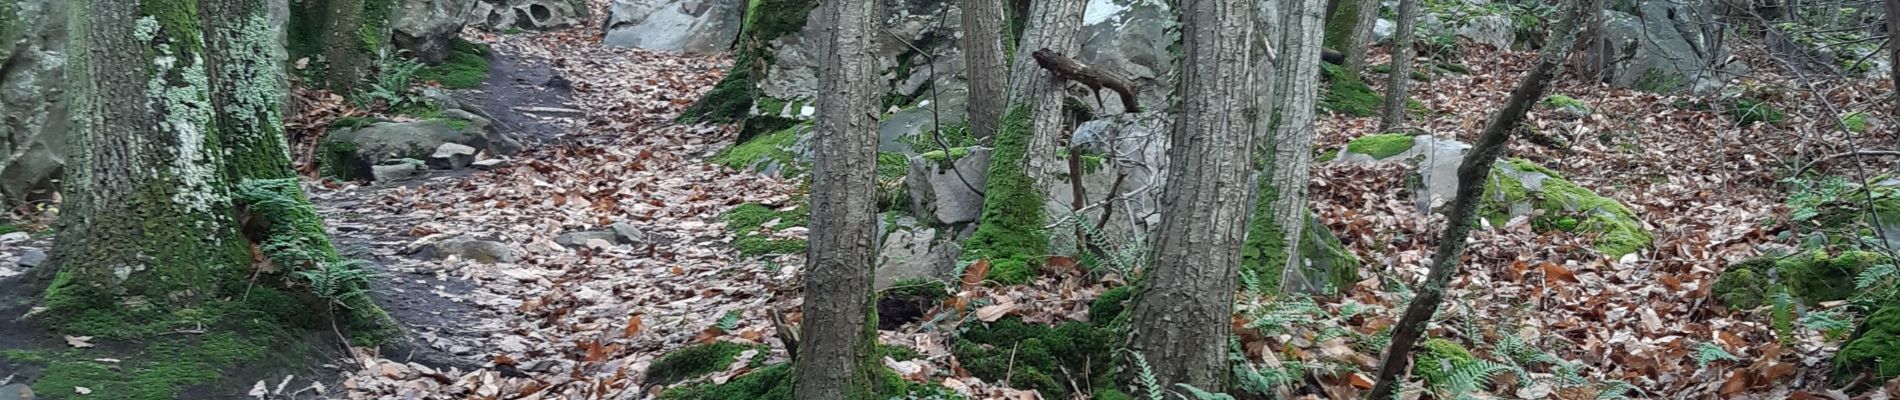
(180, 94)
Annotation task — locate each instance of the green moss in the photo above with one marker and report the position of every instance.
(770, 383)
(465, 68)
(1347, 94)
(23, 356)
(1562, 101)
(1875, 348)
(1816, 277)
(1010, 234)
(1565, 205)
(762, 152)
(1744, 285)
(1749, 111)
(693, 361)
(1661, 81)
(1326, 157)
(1855, 122)
(157, 372)
(918, 288)
(337, 160)
(1380, 146)
(1341, 25)
(1107, 307)
(748, 220)
(731, 99)
(1039, 357)
(1436, 357)
(955, 153)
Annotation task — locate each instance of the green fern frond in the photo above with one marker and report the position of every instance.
(1706, 352)
(1145, 376)
(1616, 390)
(1201, 394)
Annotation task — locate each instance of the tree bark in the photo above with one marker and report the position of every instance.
(357, 31)
(1401, 75)
(1893, 47)
(1055, 25)
(1296, 92)
(1472, 173)
(839, 332)
(1362, 36)
(147, 223)
(1182, 312)
(983, 52)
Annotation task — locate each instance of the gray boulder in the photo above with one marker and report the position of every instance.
(452, 156)
(468, 248)
(33, 108)
(582, 238)
(348, 153)
(692, 26)
(626, 233)
(396, 170)
(1494, 30)
(500, 15)
(938, 191)
(913, 251)
(1131, 38)
(1662, 47)
(427, 28)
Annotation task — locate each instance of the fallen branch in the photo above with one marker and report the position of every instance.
(1811, 164)
(1095, 79)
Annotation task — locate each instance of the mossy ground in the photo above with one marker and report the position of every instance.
(1750, 111)
(776, 382)
(749, 221)
(1436, 357)
(763, 151)
(694, 361)
(465, 68)
(1563, 101)
(1010, 235)
(1347, 93)
(1380, 146)
(1040, 357)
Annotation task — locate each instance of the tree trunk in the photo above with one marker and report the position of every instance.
(838, 335)
(1893, 46)
(1296, 92)
(147, 221)
(1464, 207)
(356, 32)
(1024, 167)
(1362, 36)
(983, 52)
(1182, 312)
(1401, 75)
(1349, 31)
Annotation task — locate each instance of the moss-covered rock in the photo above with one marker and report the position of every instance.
(1567, 104)
(753, 223)
(1816, 277)
(1518, 185)
(465, 68)
(1875, 348)
(1437, 357)
(1347, 94)
(1039, 357)
(731, 100)
(1110, 304)
(771, 153)
(1744, 285)
(694, 361)
(777, 381)
(1329, 266)
(1380, 146)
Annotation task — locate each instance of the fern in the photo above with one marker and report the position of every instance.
(1145, 376)
(1706, 352)
(338, 281)
(729, 322)
(1782, 316)
(1828, 322)
(1201, 394)
(1616, 390)
(1471, 377)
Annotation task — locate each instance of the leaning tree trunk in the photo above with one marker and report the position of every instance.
(983, 52)
(1401, 71)
(1283, 194)
(1464, 206)
(147, 213)
(1182, 310)
(1023, 167)
(834, 358)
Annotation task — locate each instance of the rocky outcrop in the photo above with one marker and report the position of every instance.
(914, 250)
(427, 28)
(1663, 47)
(501, 15)
(33, 110)
(941, 184)
(1517, 188)
(692, 26)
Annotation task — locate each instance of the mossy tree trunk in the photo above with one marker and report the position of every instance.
(1893, 47)
(1349, 31)
(1401, 72)
(1283, 184)
(148, 227)
(1472, 174)
(983, 52)
(1185, 301)
(839, 332)
(1024, 167)
(343, 38)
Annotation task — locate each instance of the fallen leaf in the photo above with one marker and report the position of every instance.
(79, 341)
(973, 275)
(994, 312)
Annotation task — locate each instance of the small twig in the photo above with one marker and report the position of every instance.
(1009, 370)
(1095, 79)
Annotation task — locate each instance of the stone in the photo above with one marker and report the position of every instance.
(33, 258)
(15, 237)
(490, 164)
(691, 26)
(400, 169)
(468, 248)
(580, 239)
(626, 233)
(1131, 38)
(1493, 30)
(502, 15)
(348, 153)
(34, 119)
(17, 391)
(1383, 29)
(450, 156)
(913, 251)
(427, 28)
(938, 192)
(1663, 47)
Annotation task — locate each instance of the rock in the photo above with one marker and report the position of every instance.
(501, 15)
(580, 239)
(32, 258)
(912, 251)
(490, 164)
(468, 248)
(1493, 30)
(625, 233)
(17, 391)
(347, 153)
(451, 156)
(1662, 47)
(427, 28)
(692, 26)
(897, 130)
(939, 193)
(1131, 38)
(400, 169)
(11, 237)
(33, 111)
(1383, 29)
